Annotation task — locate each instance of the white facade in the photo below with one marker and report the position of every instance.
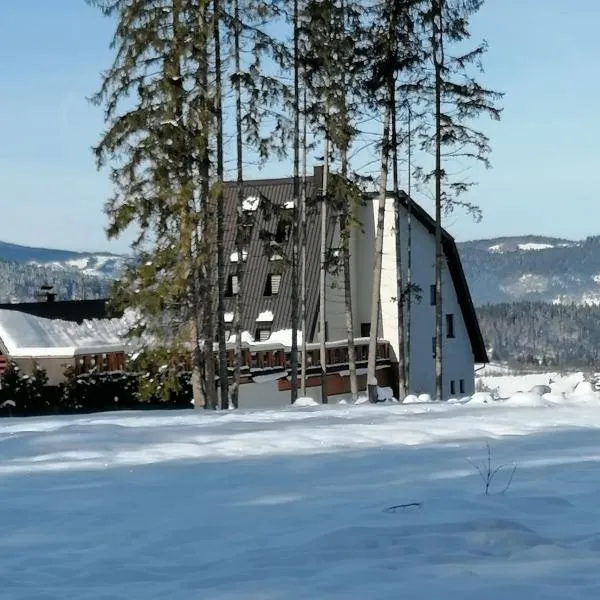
(458, 359)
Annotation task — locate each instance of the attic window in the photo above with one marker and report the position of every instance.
(234, 255)
(272, 285)
(232, 286)
(263, 333)
(250, 203)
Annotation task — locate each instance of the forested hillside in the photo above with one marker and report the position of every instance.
(22, 282)
(532, 268)
(542, 333)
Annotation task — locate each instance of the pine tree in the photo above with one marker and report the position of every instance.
(151, 143)
(295, 300)
(457, 99)
(222, 342)
(259, 125)
(241, 236)
(331, 69)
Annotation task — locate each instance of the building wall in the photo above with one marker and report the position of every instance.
(272, 394)
(457, 352)
(55, 367)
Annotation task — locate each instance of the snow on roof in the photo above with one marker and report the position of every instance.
(265, 317)
(250, 202)
(234, 255)
(26, 335)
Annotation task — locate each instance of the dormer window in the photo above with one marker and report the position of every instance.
(232, 286)
(272, 285)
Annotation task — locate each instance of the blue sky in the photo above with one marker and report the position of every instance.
(543, 55)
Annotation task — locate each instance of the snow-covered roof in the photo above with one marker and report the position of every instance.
(234, 255)
(250, 203)
(266, 316)
(25, 335)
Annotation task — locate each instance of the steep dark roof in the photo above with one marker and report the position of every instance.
(458, 278)
(66, 310)
(273, 193)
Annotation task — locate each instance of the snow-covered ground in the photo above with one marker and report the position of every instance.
(291, 504)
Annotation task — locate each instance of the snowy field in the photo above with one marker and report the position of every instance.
(291, 504)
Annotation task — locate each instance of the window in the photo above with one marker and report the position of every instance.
(227, 334)
(433, 346)
(272, 285)
(452, 387)
(262, 334)
(365, 329)
(326, 330)
(283, 232)
(232, 286)
(432, 295)
(461, 386)
(449, 325)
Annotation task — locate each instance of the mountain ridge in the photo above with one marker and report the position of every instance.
(532, 268)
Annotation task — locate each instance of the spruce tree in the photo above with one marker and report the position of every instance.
(160, 125)
(219, 197)
(332, 68)
(457, 98)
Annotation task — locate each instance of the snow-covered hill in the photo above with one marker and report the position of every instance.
(299, 503)
(533, 268)
(94, 265)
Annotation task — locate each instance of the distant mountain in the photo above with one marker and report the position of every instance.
(95, 264)
(533, 268)
(24, 269)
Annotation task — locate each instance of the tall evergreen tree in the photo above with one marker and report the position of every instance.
(222, 341)
(457, 98)
(147, 142)
(332, 68)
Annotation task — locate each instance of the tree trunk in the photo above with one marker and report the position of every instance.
(346, 233)
(323, 280)
(223, 371)
(398, 239)
(439, 256)
(303, 290)
(240, 235)
(295, 229)
(198, 393)
(208, 242)
(409, 258)
(376, 291)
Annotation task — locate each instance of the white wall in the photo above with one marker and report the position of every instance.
(457, 352)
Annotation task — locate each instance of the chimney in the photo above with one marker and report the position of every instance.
(46, 293)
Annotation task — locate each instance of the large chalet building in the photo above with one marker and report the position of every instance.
(79, 334)
(267, 287)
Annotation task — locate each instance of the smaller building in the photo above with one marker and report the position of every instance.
(56, 343)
